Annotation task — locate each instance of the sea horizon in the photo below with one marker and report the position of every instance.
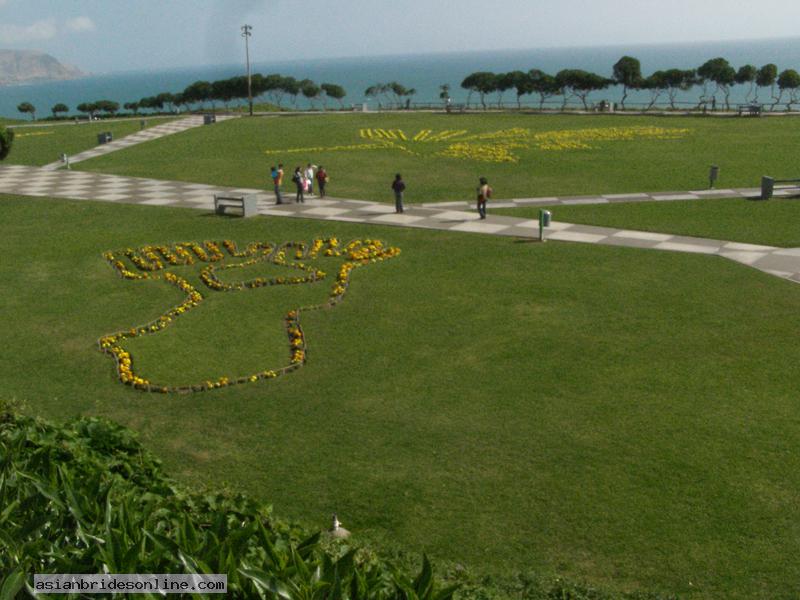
(425, 71)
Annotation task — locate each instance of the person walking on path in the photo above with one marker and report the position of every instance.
(399, 186)
(310, 178)
(277, 179)
(299, 181)
(484, 193)
(322, 179)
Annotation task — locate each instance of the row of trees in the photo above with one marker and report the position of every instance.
(391, 92)
(715, 76)
(276, 88)
(91, 108)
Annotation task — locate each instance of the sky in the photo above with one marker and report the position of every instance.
(101, 36)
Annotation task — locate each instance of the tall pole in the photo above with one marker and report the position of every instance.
(246, 33)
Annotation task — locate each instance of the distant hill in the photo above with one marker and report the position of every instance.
(28, 66)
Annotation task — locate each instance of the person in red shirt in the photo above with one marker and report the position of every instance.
(322, 179)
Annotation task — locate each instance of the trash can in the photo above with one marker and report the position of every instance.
(209, 119)
(767, 187)
(104, 138)
(713, 175)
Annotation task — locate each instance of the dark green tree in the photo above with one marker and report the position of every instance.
(767, 76)
(27, 107)
(334, 91)
(59, 108)
(656, 84)
(168, 99)
(132, 106)
(579, 83)
(747, 74)
(502, 83)
(151, 102)
(675, 81)
(90, 108)
(273, 88)
(482, 82)
(789, 82)
(721, 73)
(198, 92)
(291, 86)
(178, 100)
(523, 85)
(107, 106)
(223, 91)
(310, 90)
(628, 74)
(543, 84)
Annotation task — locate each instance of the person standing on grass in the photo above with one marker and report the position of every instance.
(484, 193)
(322, 179)
(398, 186)
(277, 179)
(299, 181)
(310, 177)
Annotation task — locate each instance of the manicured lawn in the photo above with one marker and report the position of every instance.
(775, 222)
(43, 143)
(637, 158)
(626, 418)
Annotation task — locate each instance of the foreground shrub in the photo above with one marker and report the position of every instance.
(87, 498)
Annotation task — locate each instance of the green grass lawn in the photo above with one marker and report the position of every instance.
(775, 222)
(44, 143)
(622, 417)
(233, 153)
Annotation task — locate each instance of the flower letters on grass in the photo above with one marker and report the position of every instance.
(495, 146)
(156, 263)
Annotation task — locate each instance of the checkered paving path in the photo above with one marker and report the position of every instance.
(145, 135)
(615, 198)
(33, 181)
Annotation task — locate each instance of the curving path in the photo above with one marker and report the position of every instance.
(78, 185)
(151, 133)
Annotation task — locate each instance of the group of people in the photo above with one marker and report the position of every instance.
(303, 180)
(304, 183)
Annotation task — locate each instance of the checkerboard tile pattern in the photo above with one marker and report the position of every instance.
(151, 133)
(34, 181)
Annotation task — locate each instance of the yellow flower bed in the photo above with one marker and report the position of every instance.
(33, 133)
(150, 262)
(494, 146)
(350, 147)
(483, 152)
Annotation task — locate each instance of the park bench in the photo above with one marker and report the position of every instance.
(247, 203)
(749, 110)
(768, 186)
(451, 108)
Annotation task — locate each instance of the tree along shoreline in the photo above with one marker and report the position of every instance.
(714, 80)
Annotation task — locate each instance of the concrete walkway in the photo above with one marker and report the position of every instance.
(34, 181)
(145, 135)
(618, 198)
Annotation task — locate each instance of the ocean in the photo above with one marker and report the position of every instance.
(425, 72)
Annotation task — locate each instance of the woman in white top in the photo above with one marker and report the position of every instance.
(309, 173)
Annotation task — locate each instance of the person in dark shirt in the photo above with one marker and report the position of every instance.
(399, 186)
(299, 180)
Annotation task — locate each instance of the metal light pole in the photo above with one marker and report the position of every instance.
(246, 33)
